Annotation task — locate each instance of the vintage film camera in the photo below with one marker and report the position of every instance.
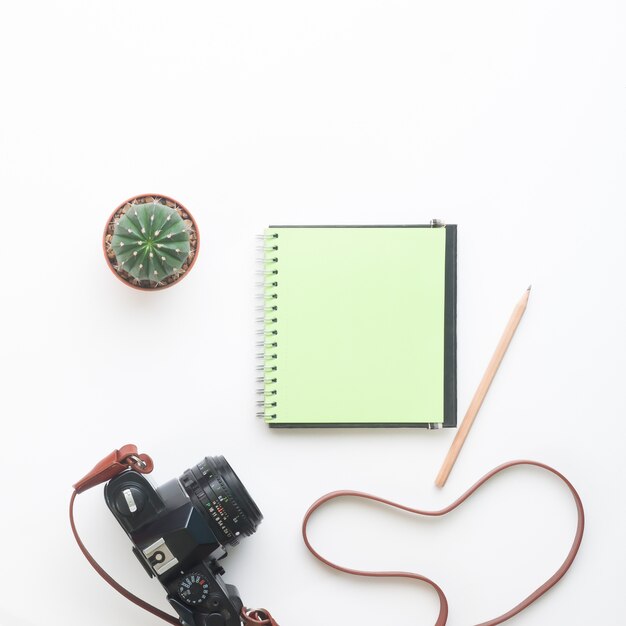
(180, 531)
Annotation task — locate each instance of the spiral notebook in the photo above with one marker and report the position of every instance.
(359, 326)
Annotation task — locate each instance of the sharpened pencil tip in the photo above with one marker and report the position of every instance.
(529, 288)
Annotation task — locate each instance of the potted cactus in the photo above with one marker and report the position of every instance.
(150, 242)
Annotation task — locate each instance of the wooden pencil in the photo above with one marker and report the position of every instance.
(482, 389)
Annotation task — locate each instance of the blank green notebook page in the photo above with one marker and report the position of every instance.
(359, 326)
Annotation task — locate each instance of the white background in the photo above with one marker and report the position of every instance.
(507, 118)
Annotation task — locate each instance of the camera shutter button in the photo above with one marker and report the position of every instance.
(130, 501)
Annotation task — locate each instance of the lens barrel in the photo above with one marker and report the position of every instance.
(215, 489)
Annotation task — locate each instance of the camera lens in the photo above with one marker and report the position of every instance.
(215, 489)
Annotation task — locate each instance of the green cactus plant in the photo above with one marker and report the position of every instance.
(151, 242)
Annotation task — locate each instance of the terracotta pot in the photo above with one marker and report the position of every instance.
(107, 232)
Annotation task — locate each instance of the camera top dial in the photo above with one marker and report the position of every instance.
(194, 588)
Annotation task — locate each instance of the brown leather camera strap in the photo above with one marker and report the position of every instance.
(257, 617)
(443, 602)
(128, 458)
(115, 463)
(112, 465)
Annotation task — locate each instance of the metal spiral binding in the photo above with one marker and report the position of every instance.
(267, 343)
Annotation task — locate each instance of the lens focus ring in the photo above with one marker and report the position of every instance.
(215, 489)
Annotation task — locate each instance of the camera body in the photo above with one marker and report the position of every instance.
(180, 531)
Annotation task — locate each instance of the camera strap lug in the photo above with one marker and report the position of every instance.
(113, 464)
(257, 617)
